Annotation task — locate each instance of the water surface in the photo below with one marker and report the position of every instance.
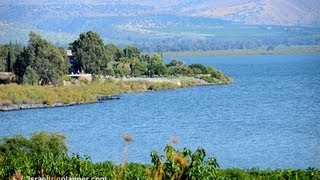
(268, 118)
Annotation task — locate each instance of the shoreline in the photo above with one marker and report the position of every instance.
(107, 97)
(18, 107)
(293, 50)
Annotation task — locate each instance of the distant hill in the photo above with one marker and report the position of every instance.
(167, 24)
(276, 12)
(271, 12)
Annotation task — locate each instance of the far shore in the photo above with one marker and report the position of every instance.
(283, 50)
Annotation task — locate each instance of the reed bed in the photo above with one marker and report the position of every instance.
(12, 94)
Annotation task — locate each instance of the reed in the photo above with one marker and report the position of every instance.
(11, 94)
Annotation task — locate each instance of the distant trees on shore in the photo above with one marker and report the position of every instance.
(40, 62)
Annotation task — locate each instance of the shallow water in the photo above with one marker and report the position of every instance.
(268, 118)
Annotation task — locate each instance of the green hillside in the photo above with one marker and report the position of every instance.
(175, 26)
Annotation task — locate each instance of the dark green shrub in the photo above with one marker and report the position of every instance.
(202, 68)
(45, 154)
(30, 76)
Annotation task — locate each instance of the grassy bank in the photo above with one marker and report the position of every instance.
(26, 94)
(13, 94)
(46, 155)
(276, 51)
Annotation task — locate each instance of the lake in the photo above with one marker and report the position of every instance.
(268, 118)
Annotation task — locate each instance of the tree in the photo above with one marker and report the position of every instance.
(90, 52)
(131, 52)
(109, 70)
(122, 69)
(170, 71)
(8, 55)
(4, 50)
(140, 68)
(201, 67)
(21, 64)
(113, 52)
(11, 58)
(175, 62)
(215, 73)
(47, 60)
(156, 65)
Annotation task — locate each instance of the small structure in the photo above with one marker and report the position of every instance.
(74, 68)
(7, 77)
(81, 77)
(69, 52)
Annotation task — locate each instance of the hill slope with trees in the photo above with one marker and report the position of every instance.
(156, 26)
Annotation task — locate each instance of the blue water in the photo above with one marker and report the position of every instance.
(268, 118)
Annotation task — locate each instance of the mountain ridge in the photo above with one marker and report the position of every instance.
(169, 25)
(271, 12)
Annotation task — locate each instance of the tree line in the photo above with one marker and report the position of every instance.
(210, 44)
(40, 62)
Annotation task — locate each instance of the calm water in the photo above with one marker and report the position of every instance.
(269, 116)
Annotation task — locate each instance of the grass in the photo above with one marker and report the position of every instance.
(74, 94)
(88, 92)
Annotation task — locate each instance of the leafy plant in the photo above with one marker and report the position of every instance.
(183, 164)
(45, 155)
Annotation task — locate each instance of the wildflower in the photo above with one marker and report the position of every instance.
(148, 172)
(127, 138)
(174, 140)
(17, 176)
(183, 161)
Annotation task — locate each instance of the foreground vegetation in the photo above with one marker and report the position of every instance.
(46, 155)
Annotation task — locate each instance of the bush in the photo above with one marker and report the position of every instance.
(66, 78)
(201, 68)
(211, 80)
(30, 76)
(32, 156)
(45, 154)
(215, 73)
(109, 70)
(183, 164)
